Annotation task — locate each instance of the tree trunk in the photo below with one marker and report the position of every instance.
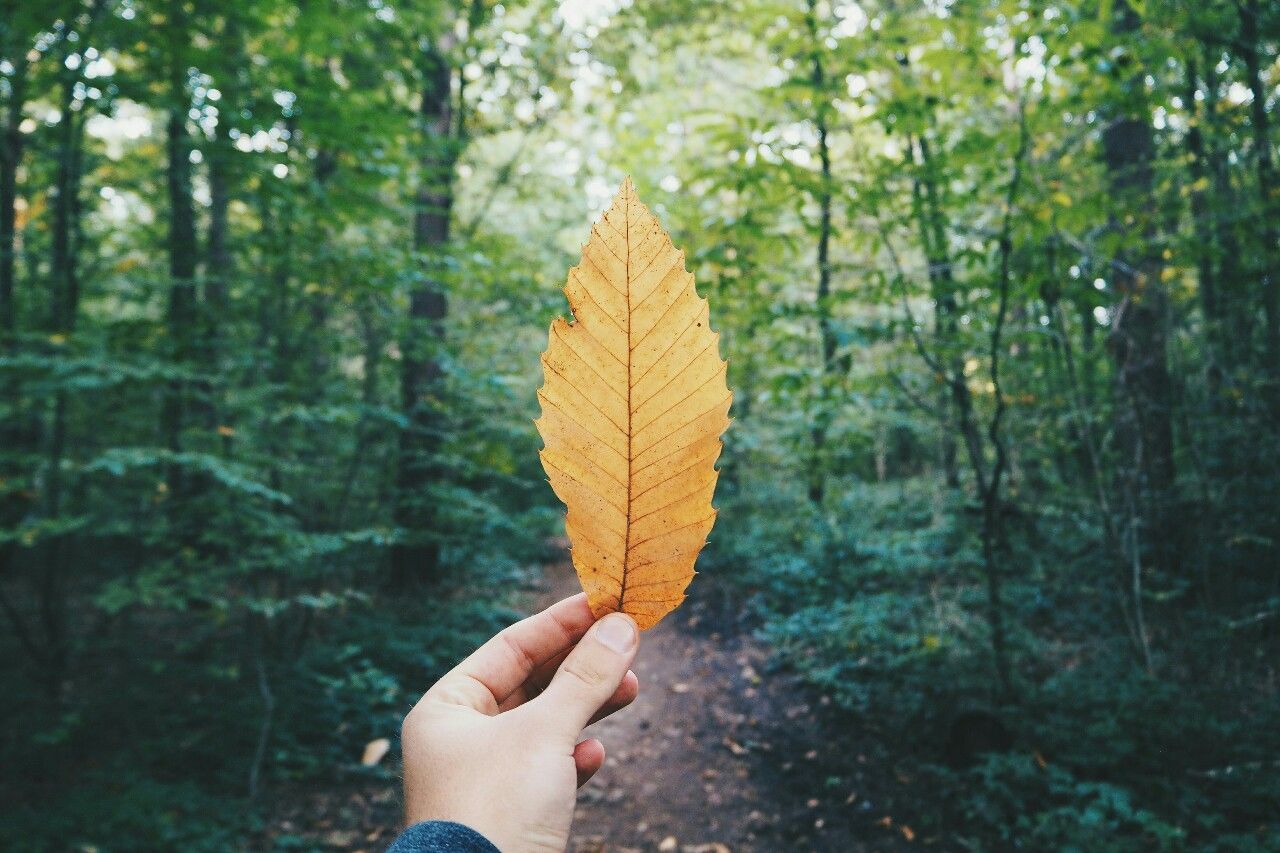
(822, 414)
(219, 261)
(1270, 204)
(1232, 299)
(992, 503)
(62, 269)
(1201, 212)
(11, 145)
(218, 268)
(182, 248)
(12, 502)
(933, 239)
(416, 558)
(182, 257)
(64, 278)
(1139, 328)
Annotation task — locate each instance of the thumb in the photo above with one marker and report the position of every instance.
(591, 673)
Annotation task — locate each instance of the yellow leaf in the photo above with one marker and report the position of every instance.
(633, 406)
(1062, 199)
(226, 431)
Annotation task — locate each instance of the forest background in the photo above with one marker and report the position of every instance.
(999, 286)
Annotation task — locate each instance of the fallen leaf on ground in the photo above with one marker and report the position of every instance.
(375, 751)
(633, 406)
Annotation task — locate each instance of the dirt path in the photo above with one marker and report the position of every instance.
(719, 754)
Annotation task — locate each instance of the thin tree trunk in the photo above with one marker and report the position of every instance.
(12, 503)
(1210, 299)
(826, 334)
(258, 632)
(11, 147)
(416, 558)
(62, 272)
(1234, 304)
(933, 239)
(1270, 204)
(992, 503)
(64, 276)
(182, 247)
(1139, 329)
(218, 258)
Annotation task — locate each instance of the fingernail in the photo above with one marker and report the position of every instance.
(617, 632)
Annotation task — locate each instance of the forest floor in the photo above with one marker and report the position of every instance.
(720, 752)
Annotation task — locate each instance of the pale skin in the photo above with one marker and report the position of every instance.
(496, 744)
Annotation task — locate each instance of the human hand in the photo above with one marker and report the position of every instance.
(494, 743)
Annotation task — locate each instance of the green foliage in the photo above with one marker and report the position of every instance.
(1019, 803)
(1105, 755)
(170, 736)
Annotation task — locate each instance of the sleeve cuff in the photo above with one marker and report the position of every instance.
(441, 836)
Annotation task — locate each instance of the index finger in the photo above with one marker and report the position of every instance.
(498, 668)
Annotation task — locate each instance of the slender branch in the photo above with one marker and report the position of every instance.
(20, 629)
(501, 178)
(914, 397)
(264, 730)
(1002, 285)
(900, 279)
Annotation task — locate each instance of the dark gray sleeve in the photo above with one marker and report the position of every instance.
(441, 836)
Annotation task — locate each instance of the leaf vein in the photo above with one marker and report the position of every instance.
(675, 373)
(593, 491)
(603, 378)
(672, 531)
(548, 402)
(679, 402)
(701, 486)
(691, 420)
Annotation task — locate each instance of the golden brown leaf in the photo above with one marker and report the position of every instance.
(633, 406)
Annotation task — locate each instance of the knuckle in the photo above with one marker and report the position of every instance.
(543, 838)
(585, 671)
(445, 692)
